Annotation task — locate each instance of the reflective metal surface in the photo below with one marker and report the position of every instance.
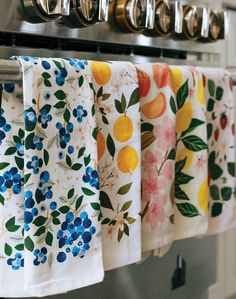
(14, 21)
(38, 11)
(215, 26)
(164, 17)
(192, 24)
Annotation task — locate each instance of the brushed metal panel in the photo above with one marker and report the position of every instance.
(12, 21)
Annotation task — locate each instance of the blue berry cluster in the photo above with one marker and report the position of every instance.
(17, 262)
(75, 235)
(30, 211)
(44, 118)
(30, 119)
(20, 149)
(91, 177)
(4, 126)
(64, 133)
(36, 143)
(30, 58)
(60, 73)
(35, 164)
(78, 64)
(9, 87)
(79, 113)
(53, 206)
(40, 256)
(47, 95)
(11, 179)
(44, 188)
(45, 64)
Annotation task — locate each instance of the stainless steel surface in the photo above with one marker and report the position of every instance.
(49, 7)
(150, 18)
(205, 22)
(14, 22)
(88, 9)
(215, 26)
(35, 11)
(226, 25)
(103, 10)
(178, 16)
(10, 71)
(136, 13)
(192, 22)
(164, 16)
(65, 7)
(39, 11)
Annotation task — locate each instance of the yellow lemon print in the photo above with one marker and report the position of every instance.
(101, 145)
(101, 72)
(177, 78)
(185, 153)
(127, 159)
(200, 92)
(123, 128)
(184, 117)
(202, 196)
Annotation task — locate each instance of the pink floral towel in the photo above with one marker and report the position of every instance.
(158, 154)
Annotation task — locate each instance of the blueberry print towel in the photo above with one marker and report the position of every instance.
(221, 157)
(11, 193)
(191, 186)
(62, 239)
(158, 154)
(115, 87)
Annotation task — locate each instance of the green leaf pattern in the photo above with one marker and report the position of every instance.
(221, 159)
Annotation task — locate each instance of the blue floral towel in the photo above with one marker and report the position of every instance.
(11, 193)
(62, 240)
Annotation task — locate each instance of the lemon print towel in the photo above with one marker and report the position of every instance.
(158, 154)
(49, 181)
(191, 187)
(115, 88)
(221, 139)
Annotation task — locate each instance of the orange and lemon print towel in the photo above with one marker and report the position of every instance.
(191, 185)
(221, 140)
(117, 105)
(158, 155)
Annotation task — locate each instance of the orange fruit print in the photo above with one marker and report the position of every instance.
(144, 83)
(155, 108)
(161, 75)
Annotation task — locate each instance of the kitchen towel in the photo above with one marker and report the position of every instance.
(115, 87)
(62, 238)
(158, 154)
(11, 192)
(221, 158)
(191, 186)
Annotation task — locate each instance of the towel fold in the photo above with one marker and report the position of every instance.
(191, 187)
(115, 86)
(221, 158)
(52, 146)
(11, 192)
(158, 154)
